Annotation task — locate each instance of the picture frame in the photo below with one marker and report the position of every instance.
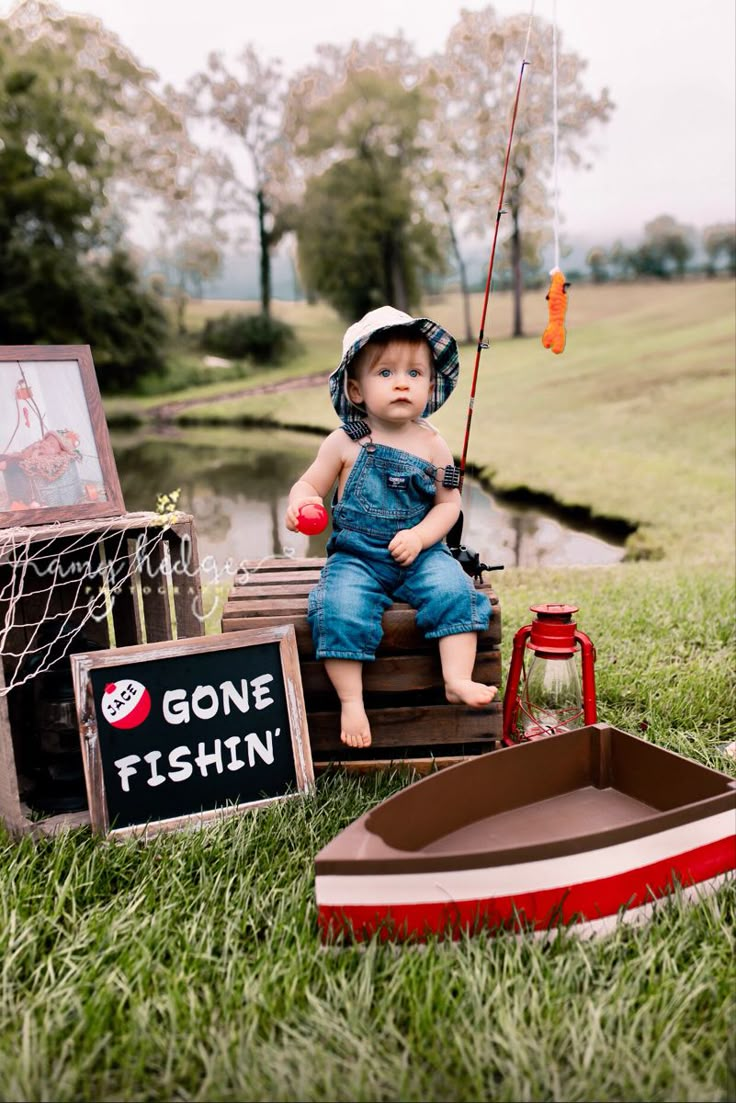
(56, 459)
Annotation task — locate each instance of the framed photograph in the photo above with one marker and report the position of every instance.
(56, 461)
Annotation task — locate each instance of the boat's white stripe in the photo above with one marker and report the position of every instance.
(486, 882)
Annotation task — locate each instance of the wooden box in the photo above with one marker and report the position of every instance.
(68, 586)
(404, 694)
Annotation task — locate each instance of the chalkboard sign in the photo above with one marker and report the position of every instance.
(188, 730)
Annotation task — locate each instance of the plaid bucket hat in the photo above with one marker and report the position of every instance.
(442, 345)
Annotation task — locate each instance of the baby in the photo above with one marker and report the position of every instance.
(391, 512)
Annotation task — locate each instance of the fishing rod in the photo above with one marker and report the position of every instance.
(482, 344)
(470, 560)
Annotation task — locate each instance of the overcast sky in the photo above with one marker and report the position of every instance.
(669, 66)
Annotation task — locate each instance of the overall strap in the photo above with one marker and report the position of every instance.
(356, 428)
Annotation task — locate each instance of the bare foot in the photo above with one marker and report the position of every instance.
(355, 728)
(464, 691)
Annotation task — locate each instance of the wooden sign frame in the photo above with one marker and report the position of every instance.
(58, 463)
(93, 728)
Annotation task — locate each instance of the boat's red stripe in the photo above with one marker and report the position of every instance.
(539, 909)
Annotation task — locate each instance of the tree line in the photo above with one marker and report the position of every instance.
(666, 251)
(375, 162)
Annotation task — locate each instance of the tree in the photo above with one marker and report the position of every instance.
(141, 139)
(359, 246)
(248, 105)
(667, 247)
(51, 199)
(123, 323)
(354, 129)
(61, 260)
(720, 240)
(189, 249)
(598, 264)
(473, 83)
(621, 261)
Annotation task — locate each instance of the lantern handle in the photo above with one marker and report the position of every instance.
(587, 659)
(511, 697)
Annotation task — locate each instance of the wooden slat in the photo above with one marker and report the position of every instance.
(402, 727)
(401, 673)
(421, 766)
(244, 594)
(103, 525)
(10, 809)
(259, 598)
(301, 627)
(55, 825)
(297, 710)
(296, 603)
(273, 563)
(279, 572)
(242, 598)
(185, 579)
(154, 587)
(276, 578)
(400, 632)
(126, 617)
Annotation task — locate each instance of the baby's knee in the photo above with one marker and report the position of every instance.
(454, 608)
(345, 621)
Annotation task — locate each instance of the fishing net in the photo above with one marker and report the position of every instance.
(53, 587)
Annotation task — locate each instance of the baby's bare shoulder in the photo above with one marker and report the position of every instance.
(338, 449)
(441, 454)
(335, 443)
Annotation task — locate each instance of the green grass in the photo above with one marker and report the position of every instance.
(190, 968)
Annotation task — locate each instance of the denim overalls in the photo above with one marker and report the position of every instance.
(387, 490)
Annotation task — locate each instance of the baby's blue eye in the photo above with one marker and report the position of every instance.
(384, 373)
(414, 372)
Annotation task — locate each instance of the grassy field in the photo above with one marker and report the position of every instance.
(190, 969)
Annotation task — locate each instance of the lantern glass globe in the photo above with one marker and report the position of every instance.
(552, 700)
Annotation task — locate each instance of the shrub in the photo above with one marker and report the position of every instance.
(124, 324)
(256, 337)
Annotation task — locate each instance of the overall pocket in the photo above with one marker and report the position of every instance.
(394, 490)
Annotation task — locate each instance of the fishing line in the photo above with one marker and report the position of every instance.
(555, 126)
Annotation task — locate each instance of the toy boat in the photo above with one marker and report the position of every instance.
(578, 829)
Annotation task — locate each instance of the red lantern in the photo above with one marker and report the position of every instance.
(548, 698)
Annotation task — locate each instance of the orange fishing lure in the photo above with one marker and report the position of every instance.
(554, 335)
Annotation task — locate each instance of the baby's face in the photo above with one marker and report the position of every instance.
(394, 385)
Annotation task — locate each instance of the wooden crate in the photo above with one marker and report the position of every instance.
(404, 694)
(138, 574)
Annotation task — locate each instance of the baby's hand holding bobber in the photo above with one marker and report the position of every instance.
(311, 518)
(292, 512)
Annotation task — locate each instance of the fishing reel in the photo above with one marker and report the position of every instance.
(469, 560)
(471, 564)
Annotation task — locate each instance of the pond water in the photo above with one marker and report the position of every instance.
(235, 483)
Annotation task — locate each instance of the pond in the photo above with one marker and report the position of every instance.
(235, 483)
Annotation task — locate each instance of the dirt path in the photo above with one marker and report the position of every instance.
(168, 410)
